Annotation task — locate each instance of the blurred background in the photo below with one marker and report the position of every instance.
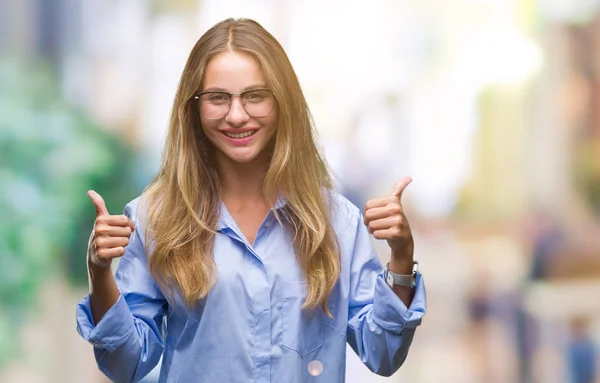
(492, 106)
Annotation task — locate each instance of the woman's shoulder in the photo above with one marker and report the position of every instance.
(137, 210)
(343, 210)
(132, 208)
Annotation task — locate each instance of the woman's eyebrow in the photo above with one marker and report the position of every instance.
(217, 89)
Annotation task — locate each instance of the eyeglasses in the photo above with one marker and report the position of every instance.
(215, 105)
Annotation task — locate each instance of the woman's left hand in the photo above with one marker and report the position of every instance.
(386, 220)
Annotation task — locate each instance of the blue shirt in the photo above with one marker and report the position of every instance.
(250, 327)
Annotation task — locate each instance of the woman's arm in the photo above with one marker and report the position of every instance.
(127, 339)
(380, 327)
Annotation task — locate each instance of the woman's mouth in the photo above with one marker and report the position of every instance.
(240, 135)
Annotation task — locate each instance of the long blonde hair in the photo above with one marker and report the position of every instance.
(184, 198)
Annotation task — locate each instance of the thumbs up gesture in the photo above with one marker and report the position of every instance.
(110, 236)
(386, 220)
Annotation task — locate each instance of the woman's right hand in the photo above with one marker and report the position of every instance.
(110, 235)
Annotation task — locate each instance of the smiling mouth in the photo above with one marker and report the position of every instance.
(240, 135)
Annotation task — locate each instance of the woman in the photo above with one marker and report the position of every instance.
(239, 263)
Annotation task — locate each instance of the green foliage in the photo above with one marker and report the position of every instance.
(50, 155)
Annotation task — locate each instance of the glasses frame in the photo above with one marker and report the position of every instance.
(197, 96)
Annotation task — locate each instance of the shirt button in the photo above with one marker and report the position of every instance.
(315, 368)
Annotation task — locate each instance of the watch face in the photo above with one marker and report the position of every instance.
(389, 278)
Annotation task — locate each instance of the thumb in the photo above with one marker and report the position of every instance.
(400, 186)
(98, 202)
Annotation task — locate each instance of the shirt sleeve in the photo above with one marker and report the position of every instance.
(128, 339)
(380, 327)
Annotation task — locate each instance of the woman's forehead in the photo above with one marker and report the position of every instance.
(233, 72)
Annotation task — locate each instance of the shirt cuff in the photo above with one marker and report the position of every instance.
(390, 313)
(112, 331)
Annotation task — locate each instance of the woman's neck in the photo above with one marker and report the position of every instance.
(242, 182)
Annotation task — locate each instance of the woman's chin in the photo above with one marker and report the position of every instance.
(242, 156)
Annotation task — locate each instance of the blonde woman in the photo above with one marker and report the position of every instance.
(239, 262)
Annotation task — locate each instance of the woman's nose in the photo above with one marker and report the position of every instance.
(237, 114)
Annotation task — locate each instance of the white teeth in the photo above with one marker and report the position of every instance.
(240, 135)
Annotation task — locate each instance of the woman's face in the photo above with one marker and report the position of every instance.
(242, 134)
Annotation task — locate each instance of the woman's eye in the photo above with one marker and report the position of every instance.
(255, 96)
(218, 98)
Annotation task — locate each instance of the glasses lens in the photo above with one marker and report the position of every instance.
(258, 103)
(215, 104)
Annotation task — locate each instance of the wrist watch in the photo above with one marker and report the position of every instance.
(394, 279)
